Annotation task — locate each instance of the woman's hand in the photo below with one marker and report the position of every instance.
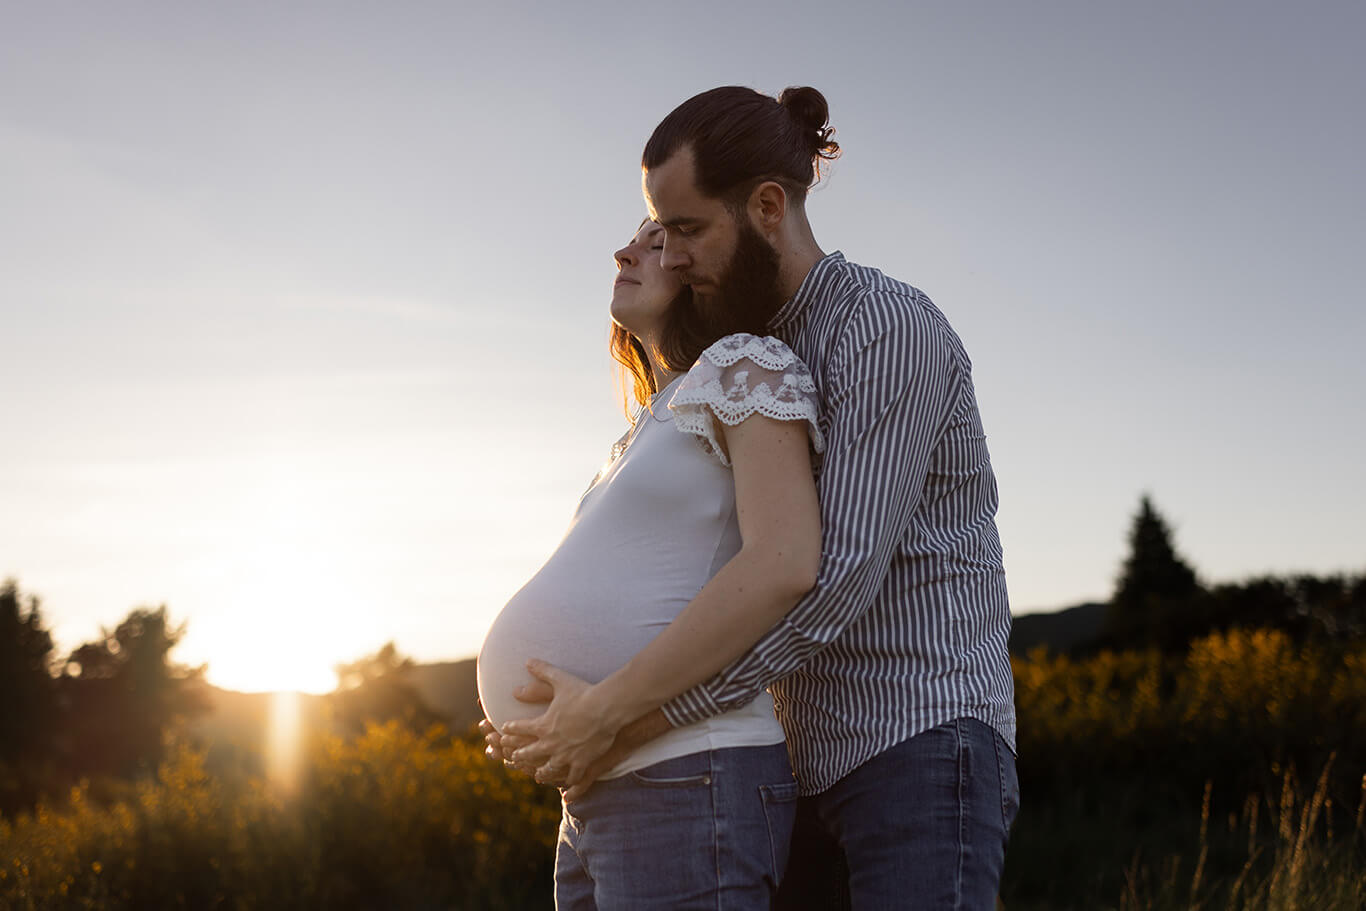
(576, 729)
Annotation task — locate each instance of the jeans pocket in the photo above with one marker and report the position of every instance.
(1010, 782)
(691, 771)
(780, 812)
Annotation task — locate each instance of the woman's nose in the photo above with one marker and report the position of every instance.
(626, 256)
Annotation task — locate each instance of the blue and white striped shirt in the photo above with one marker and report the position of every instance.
(907, 626)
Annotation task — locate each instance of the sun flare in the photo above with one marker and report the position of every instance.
(296, 601)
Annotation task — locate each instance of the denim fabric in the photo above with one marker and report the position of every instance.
(709, 830)
(921, 825)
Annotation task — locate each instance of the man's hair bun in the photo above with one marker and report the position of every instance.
(740, 137)
(808, 107)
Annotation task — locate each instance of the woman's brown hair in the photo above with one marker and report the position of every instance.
(689, 328)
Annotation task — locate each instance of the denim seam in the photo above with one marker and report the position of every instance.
(715, 830)
(963, 773)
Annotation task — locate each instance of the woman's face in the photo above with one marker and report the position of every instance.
(644, 289)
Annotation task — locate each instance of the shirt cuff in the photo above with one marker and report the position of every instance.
(690, 707)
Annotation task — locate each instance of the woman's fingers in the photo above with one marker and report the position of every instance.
(544, 670)
(537, 691)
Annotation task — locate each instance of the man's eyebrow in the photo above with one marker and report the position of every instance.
(681, 222)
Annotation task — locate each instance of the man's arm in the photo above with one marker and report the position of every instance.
(889, 394)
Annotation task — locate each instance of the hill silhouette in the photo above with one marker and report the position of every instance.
(1067, 630)
(236, 725)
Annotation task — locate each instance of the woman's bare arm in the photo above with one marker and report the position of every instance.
(779, 522)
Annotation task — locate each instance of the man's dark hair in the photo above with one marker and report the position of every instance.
(740, 138)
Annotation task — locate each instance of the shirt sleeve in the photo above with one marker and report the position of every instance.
(889, 393)
(741, 375)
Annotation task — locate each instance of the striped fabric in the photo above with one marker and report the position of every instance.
(907, 626)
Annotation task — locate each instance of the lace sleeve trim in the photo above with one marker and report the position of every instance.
(738, 376)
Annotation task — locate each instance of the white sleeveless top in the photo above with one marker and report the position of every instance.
(656, 523)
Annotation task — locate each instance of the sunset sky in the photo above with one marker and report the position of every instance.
(303, 306)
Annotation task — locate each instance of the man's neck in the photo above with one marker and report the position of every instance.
(798, 253)
(796, 265)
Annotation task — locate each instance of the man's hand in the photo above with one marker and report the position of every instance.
(628, 739)
(500, 748)
(573, 733)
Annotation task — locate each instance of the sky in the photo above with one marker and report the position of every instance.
(303, 306)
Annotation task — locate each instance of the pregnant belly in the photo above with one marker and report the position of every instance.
(510, 642)
(588, 644)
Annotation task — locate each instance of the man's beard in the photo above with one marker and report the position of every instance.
(747, 293)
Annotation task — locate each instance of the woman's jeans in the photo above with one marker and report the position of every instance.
(709, 830)
(921, 825)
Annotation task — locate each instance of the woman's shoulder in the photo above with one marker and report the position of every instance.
(740, 375)
(766, 351)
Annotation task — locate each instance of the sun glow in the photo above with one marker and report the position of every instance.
(296, 596)
(284, 742)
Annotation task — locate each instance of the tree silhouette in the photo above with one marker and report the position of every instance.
(123, 694)
(376, 689)
(28, 715)
(1157, 592)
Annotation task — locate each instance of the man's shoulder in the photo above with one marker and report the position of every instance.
(867, 296)
(869, 280)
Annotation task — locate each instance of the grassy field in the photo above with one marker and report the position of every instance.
(1229, 777)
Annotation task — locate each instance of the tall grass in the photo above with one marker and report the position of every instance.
(1305, 865)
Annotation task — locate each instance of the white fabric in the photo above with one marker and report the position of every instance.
(655, 525)
(740, 375)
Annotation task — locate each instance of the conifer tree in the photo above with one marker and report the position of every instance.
(28, 713)
(1156, 590)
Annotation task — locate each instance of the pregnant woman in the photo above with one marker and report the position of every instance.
(697, 536)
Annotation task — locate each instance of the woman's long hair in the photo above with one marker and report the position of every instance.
(687, 331)
(682, 339)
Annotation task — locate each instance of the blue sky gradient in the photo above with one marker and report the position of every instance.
(304, 305)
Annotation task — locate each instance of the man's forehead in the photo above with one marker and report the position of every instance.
(670, 190)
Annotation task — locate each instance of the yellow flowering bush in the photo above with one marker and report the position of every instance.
(392, 819)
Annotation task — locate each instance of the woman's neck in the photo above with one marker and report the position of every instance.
(662, 376)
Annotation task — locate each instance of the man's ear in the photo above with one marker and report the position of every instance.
(768, 206)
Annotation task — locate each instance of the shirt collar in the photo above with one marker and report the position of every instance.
(801, 301)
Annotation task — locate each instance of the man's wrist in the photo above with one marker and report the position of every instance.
(644, 729)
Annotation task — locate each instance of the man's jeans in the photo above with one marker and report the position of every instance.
(709, 830)
(921, 825)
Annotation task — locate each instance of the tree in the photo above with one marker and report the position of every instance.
(376, 689)
(1157, 594)
(123, 694)
(29, 708)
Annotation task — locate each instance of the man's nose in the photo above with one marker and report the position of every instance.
(673, 258)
